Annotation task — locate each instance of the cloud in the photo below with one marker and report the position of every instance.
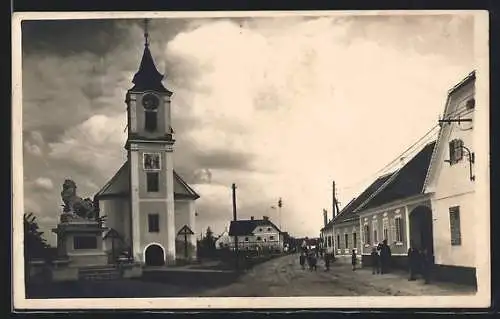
(280, 107)
(44, 183)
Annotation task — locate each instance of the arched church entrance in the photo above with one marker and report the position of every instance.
(421, 236)
(155, 256)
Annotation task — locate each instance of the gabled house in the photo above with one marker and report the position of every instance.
(399, 212)
(345, 226)
(256, 234)
(450, 183)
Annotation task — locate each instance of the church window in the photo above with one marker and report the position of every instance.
(84, 242)
(151, 120)
(152, 161)
(456, 151)
(456, 236)
(153, 223)
(153, 182)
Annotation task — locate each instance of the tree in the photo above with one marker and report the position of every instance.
(34, 244)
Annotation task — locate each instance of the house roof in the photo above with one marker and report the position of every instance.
(119, 185)
(406, 182)
(349, 211)
(246, 227)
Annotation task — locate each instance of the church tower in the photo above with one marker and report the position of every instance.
(149, 146)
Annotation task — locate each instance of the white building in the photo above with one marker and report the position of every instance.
(149, 207)
(450, 182)
(256, 234)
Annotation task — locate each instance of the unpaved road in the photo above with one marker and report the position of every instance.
(283, 277)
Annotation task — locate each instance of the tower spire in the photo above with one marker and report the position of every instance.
(146, 34)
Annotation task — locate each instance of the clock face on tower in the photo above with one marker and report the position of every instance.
(150, 101)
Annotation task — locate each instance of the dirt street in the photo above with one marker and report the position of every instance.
(284, 277)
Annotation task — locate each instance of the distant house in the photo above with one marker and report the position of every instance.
(224, 240)
(451, 185)
(256, 233)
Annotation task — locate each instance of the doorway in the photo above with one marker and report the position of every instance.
(155, 255)
(421, 233)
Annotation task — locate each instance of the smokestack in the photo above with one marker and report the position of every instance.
(325, 217)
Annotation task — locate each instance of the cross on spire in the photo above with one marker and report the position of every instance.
(146, 34)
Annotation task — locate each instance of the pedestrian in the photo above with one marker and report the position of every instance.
(354, 259)
(426, 265)
(385, 257)
(375, 261)
(302, 261)
(412, 263)
(326, 256)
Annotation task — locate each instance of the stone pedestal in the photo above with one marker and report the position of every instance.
(80, 242)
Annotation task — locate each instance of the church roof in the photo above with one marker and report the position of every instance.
(119, 185)
(148, 77)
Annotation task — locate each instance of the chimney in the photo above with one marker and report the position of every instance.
(265, 217)
(251, 218)
(325, 217)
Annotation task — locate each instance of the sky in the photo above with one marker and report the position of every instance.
(279, 106)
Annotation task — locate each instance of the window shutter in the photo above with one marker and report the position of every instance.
(452, 151)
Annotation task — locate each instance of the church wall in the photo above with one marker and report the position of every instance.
(117, 211)
(183, 212)
(160, 237)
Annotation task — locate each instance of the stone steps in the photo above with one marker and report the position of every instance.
(95, 273)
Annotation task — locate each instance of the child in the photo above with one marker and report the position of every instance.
(353, 260)
(375, 262)
(302, 260)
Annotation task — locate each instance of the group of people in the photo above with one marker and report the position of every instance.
(381, 258)
(419, 261)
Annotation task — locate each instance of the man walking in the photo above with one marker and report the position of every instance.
(385, 256)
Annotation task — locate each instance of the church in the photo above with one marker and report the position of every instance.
(150, 209)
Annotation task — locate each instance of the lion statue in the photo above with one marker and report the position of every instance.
(83, 208)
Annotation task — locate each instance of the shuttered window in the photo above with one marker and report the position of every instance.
(399, 229)
(346, 237)
(456, 150)
(366, 234)
(456, 236)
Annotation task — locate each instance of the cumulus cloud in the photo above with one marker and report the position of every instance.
(280, 107)
(44, 183)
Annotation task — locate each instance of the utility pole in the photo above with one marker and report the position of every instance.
(335, 204)
(280, 204)
(235, 218)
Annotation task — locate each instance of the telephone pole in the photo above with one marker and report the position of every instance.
(235, 218)
(280, 204)
(335, 204)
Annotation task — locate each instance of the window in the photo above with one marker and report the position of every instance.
(260, 229)
(346, 237)
(268, 228)
(470, 104)
(329, 242)
(153, 182)
(399, 229)
(338, 241)
(456, 236)
(150, 121)
(354, 240)
(259, 239)
(456, 151)
(246, 238)
(84, 242)
(375, 233)
(366, 231)
(151, 161)
(386, 229)
(271, 237)
(153, 223)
